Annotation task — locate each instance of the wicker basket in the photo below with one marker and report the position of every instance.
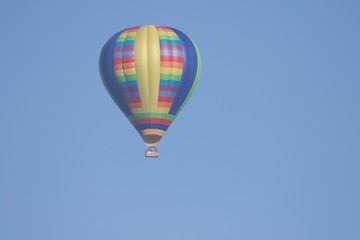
(152, 152)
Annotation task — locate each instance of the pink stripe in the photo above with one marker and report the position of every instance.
(130, 89)
(124, 60)
(168, 88)
(170, 47)
(163, 28)
(134, 29)
(125, 48)
(134, 100)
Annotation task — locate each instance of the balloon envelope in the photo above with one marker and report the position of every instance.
(150, 72)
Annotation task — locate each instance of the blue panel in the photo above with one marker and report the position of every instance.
(167, 93)
(170, 42)
(108, 75)
(129, 42)
(169, 83)
(129, 53)
(131, 95)
(171, 53)
(189, 71)
(129, 83)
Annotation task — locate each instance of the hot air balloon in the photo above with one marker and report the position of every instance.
(150, 72)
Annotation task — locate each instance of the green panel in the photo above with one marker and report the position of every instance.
(170, 77)
(151, 115)
(122, 39)
(120, 78)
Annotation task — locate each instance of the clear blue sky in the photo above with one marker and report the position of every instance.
(268, 146)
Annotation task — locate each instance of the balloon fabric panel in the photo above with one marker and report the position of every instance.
(108, 75)
(124, 68)
(188, 78)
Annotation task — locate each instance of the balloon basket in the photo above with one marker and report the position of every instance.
(152, 152)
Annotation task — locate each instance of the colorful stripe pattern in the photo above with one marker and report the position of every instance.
(171, 62)
(150, 72)
(124, 68)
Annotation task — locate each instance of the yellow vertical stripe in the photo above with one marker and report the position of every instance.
(153, 57)
(142, 67)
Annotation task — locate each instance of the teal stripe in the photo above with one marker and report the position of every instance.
(129, 42)
(151, 115)
(125, 84)
(125, 43)
(169, 83)
(170, 42)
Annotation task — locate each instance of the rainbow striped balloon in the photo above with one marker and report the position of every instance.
(150, 72)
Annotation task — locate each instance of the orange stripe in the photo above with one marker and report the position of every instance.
(164, 29)
(164, 104)
(172, 65)
(118, 67)
(131, 30)
(124, 66)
